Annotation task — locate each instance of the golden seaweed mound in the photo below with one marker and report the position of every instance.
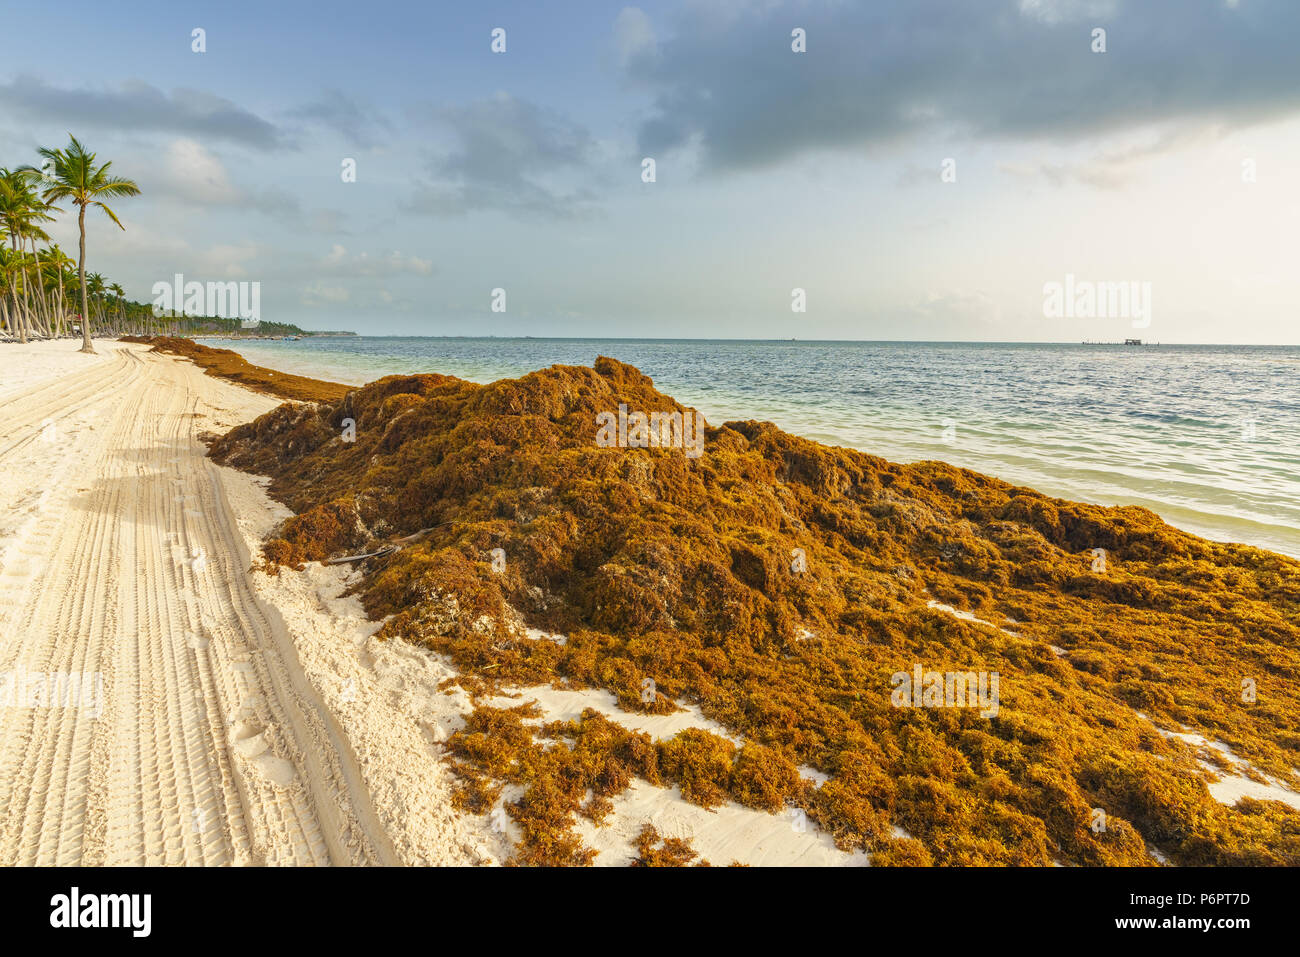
(785, 587)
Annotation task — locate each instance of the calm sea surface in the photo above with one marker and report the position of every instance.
(1206, 436)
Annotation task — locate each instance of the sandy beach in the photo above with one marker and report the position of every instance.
(125, 555)
(234, 717)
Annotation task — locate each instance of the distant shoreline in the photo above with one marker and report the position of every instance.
(877, 342)
(299, 335)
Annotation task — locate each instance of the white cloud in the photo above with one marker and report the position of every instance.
(318, 294)
(634, 37)
(1119, 165)
(189, 172)
(341, 263)
(954, 313)
(192, 172)
(1058, 11)
(231, 261)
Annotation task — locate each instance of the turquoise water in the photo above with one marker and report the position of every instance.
(1206, 436)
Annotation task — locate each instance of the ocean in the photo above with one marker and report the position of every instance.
(1208, 437)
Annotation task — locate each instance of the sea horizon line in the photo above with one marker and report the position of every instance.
(929, 342)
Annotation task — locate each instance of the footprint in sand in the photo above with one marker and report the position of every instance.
(248, 739)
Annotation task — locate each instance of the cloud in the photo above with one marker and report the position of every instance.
(328, 221)
(137, 106)
(232, 260)
(339, 262)
(1059, 11)
(193, 173)
(1003, 69)
(336, 111)
(634, 38)
(320, 294)
(139, 242)
(189, 172)
(510, 155)
(1097, 173)
(953, 313)
(913, 174)
(1113, 168)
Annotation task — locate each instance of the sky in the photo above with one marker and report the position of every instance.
(920, 169)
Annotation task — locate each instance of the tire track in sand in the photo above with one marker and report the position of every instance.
(211, 746)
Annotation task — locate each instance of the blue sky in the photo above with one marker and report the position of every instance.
(775, 170)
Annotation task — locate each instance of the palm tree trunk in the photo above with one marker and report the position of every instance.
(81, 272)
(27, 295)
(62, 308)
(42, 300)
(17, 318)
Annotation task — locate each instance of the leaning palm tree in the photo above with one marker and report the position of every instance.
(73, 175)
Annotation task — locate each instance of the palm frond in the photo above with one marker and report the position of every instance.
(111, 215)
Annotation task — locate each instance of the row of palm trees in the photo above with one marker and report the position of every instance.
(38, 287)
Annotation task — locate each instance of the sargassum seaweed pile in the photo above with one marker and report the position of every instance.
(663, 568)
(228, 364)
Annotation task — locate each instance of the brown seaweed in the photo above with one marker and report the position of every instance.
(664, 569)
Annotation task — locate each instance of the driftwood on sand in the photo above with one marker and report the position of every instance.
(386, 549)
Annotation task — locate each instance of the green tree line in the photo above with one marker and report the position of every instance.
(44, 292)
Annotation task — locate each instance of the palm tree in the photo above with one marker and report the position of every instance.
(119, 301)
(32, 234)
(73, 175)
(95, 284)
(20, 211)
(7, 318)
(59, 264)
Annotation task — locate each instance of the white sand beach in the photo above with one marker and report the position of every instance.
(124, 554)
